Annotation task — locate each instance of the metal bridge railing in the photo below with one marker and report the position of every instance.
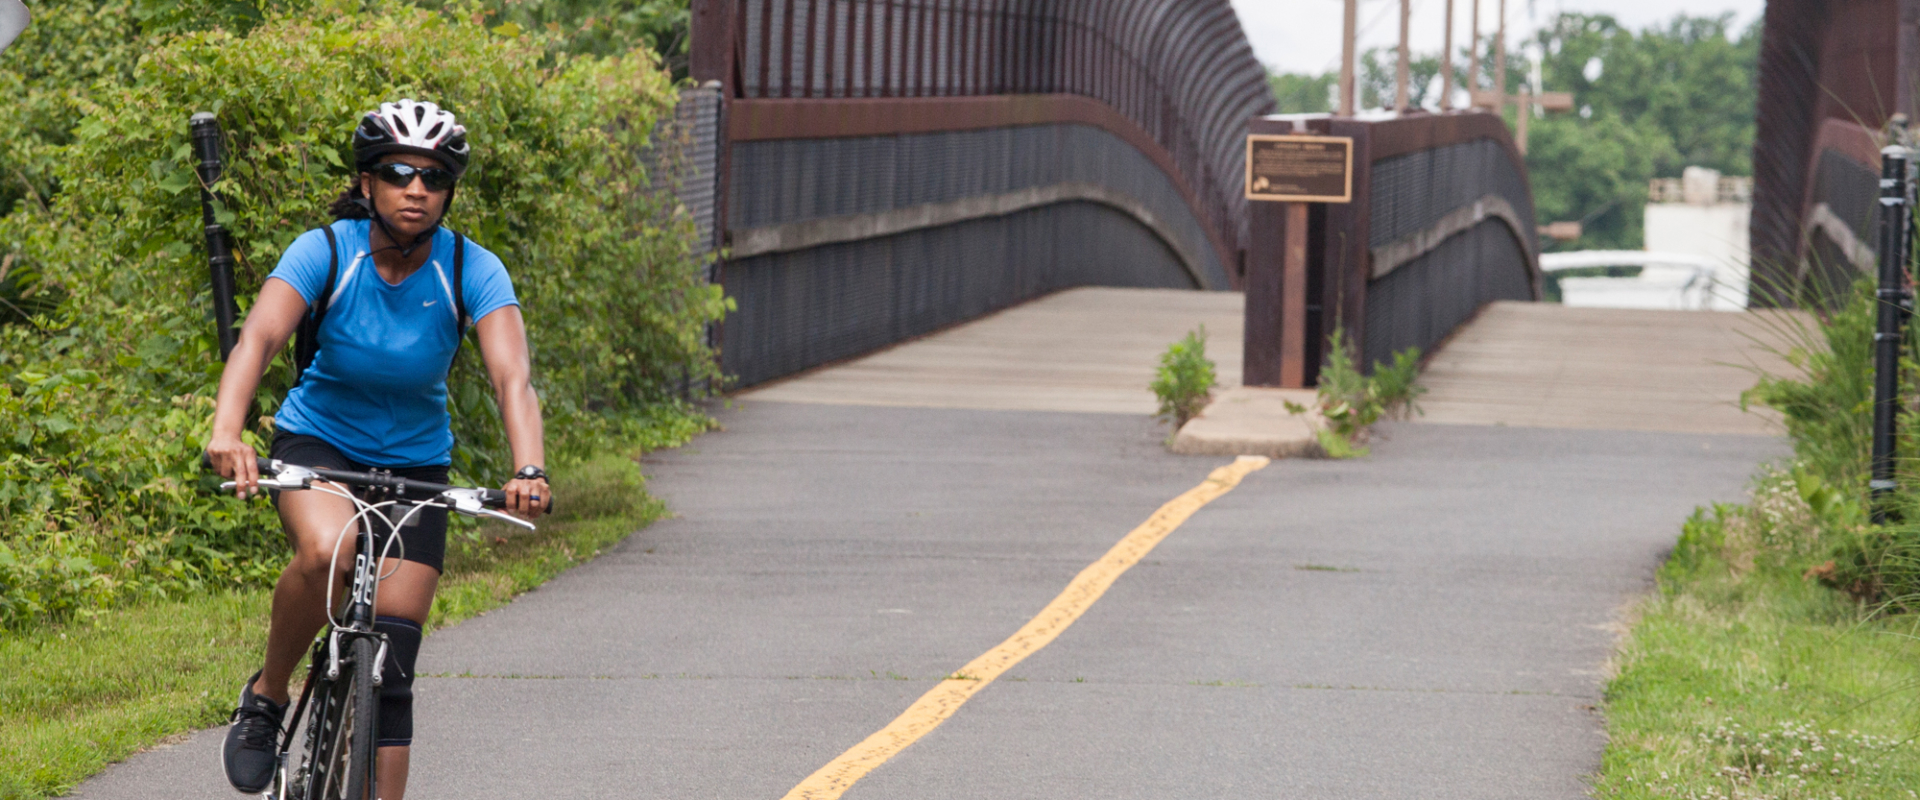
(1170, 66)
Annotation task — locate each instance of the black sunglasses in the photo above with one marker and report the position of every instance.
(402, 175)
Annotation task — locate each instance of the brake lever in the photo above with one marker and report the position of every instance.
(501, 515)
(287, 477)
(470, 503)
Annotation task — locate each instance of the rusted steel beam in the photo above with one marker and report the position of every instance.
(766, 47)
(921, 55)
(1394, 137)
(772, 119)
(810, 47)
(833, 46)
(786, 50)
(712, 47)
(1180, 70)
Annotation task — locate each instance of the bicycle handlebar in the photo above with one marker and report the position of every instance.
(473, 502)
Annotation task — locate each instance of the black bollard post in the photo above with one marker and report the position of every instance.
(206, 145)
(1895, 298)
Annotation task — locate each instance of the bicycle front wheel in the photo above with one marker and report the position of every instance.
(344, 758)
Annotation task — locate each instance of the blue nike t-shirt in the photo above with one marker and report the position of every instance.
(377, 389)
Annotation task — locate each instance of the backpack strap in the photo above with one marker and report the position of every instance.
(307, 345)
(461, 323)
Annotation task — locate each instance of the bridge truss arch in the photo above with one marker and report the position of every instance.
(891, 167)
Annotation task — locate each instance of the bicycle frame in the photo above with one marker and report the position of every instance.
(323, 664)
(295, 782)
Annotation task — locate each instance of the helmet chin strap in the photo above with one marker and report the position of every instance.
(424, 237)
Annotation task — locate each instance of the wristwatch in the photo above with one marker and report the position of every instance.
(531, 473)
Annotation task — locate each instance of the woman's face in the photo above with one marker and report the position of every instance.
(411, 209)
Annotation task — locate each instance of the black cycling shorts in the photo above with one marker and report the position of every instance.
(424, 537)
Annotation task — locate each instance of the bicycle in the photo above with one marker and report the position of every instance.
(343, 671)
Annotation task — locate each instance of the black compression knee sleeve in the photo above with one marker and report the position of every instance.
(396, 680)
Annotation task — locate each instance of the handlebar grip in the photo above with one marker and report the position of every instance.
(495, 498)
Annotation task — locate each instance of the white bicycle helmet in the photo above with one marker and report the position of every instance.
(410, 126)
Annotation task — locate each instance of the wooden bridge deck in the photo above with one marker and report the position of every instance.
(1516, 364)
(1544, 365)
(1089, 349)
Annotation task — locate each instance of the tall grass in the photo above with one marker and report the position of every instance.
(1778, 660)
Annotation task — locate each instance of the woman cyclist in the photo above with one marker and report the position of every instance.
(373, 396)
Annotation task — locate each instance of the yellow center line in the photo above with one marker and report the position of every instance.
(943, 700)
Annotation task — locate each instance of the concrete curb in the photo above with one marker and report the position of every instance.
(1252, 421)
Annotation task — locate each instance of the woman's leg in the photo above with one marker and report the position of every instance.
(408, 594)
(314, 521)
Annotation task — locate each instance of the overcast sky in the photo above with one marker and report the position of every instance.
(1304, 35)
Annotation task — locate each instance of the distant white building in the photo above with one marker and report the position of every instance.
(1705, 214)
(1696, 255)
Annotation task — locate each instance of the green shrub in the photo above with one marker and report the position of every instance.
(1828, 406)
(1828, 409)
(73, 45)
(1352, 401)
(1185, 379)
(104, 399)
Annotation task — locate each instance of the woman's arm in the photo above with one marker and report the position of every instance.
(276, 312)
(503, 344)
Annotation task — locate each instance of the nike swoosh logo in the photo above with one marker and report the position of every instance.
(428, 303)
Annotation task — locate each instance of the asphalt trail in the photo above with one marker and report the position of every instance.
(1430, 622)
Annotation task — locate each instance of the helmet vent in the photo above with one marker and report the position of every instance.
(409, 126)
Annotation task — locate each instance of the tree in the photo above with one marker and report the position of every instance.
(1650, 105)
(1298, 93)
(1687, 79)
(1595, 171)
(1378, 68)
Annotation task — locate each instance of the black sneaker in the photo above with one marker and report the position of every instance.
(253, 741)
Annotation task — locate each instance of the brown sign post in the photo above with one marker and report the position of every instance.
(1295, 170)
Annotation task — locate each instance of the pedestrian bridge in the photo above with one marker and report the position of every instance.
(1536, 365)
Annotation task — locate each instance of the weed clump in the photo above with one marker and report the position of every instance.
(1185, 380)
(1352, 401)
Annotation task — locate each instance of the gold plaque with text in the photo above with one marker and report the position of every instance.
(1300, 169)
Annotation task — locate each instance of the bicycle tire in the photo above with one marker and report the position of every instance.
(364, 703)
(341, 741)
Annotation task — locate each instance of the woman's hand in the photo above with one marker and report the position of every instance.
(236, 460)
(275, 313)
(528, 497)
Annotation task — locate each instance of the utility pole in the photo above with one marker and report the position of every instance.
(1446, 62)
(1346, 57)
(1531, 97)
(1401, 94)
(1473, 58)
(1500, 56)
